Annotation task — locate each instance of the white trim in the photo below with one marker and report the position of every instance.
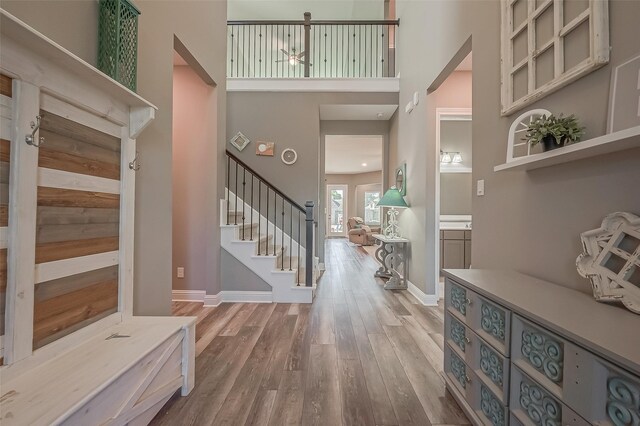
(212, 300)
(321, 266)
(345, 210)
(246, 296)
(188, 295)
(52, 178)
(313, 85)
(63, 268)
(4, 237)
(424, 299)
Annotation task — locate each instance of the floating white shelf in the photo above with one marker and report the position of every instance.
(613, 142)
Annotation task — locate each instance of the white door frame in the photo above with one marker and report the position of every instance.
(344, 187)
(444, 114)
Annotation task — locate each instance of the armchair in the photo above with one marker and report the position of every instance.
(359, 233)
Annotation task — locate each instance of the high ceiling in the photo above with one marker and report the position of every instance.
(294, 9)
(353, 154)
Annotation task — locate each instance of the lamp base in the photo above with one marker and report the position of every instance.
(392, 230)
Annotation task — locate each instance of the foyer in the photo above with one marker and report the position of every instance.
(359, 355)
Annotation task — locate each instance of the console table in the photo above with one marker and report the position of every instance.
(523, 351)
(392, 254)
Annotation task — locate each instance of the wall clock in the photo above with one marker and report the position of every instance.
(289, 156)
(239, 141)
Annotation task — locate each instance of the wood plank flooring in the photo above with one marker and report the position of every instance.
(359, 355)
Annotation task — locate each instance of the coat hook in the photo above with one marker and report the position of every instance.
(135, 164)
(30, 139)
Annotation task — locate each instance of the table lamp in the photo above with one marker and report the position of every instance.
(393, 199)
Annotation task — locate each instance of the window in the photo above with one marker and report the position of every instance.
(371, 209)
(547, 44)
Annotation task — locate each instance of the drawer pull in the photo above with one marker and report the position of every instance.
(467, 301)
(466, 339)
(467, 378)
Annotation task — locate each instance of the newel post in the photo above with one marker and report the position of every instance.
(308, 206)
(307, 43)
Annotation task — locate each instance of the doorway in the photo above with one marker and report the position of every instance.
(337, 196)
(451, 100)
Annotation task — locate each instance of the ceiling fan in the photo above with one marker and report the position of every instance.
(293, 58)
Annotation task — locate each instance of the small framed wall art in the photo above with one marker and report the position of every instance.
(265, 148)
(289, 156)
(239, 141)
(624, 102)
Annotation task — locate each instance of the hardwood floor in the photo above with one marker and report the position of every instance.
(359, 355)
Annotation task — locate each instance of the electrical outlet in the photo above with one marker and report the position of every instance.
(409, 107)
(180, 272)
(480, 189)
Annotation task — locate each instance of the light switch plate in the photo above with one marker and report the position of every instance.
(180, 272)
(416, 98)
(480, 188)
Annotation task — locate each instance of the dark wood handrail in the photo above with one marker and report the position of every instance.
(265, 181)
(318, 22)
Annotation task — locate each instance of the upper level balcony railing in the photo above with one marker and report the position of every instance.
(319, 49)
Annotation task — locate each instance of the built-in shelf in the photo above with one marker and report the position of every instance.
(613, 142)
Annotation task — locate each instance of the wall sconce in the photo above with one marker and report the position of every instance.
(450, 158)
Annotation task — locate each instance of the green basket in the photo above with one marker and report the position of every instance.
(118, 41)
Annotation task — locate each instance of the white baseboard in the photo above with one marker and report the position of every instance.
(425, 299)
(212, 300)
(188, 295)
(246, 296)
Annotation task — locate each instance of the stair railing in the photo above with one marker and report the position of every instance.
(277, 209)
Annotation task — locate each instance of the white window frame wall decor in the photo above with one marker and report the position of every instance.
(239, 141)
(597, 15)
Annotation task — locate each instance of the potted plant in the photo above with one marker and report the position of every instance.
(554, 131)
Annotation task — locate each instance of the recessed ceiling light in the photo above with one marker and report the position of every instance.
(364, 164)
(380, 115)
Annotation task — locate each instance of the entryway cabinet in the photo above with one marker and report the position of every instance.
(522, 351)
(72, 351)
(455, 249)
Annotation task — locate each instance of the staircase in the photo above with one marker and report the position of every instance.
(268, 233)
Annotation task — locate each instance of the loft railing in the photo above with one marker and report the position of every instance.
(249, 197)
(318, 49)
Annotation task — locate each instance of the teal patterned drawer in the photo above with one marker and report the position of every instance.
(457, 333)
(457, 370)
(492, 322)
(492, 410)
(457, 298)
(539, 353)
(614, 394)
(533, 404)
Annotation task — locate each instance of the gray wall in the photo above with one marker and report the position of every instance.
(237, 277)
(357, 184)
(201, 27)
(292, 120)
(455, 193)
(294, 9)
(529, 222)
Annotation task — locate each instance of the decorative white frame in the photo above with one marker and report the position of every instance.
(596, 13)
(523, 121)
(610, 283)
(611, 124)
(295, 156)
(239, 141)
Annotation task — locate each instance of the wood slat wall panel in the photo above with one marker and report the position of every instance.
(73, 163)
(76, 215)
(56, 315)
(50, 252)
(4, 215)
(61, 143)
(4, 193)
(3, 270)
(62, 126)
(4, 171)
(54, 288)
(6, 85)
(58, 233)
(75, 327)
(5, 150)
(55, 197)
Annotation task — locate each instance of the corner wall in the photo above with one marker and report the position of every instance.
(201, 27)
(529, 222)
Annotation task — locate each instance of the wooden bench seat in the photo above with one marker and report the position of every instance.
(107, 379)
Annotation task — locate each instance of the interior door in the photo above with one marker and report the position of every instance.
(337, 210)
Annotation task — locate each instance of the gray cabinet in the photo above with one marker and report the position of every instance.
(508, 362)
(455, 249)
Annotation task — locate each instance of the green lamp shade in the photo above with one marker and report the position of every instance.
(392, 198)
